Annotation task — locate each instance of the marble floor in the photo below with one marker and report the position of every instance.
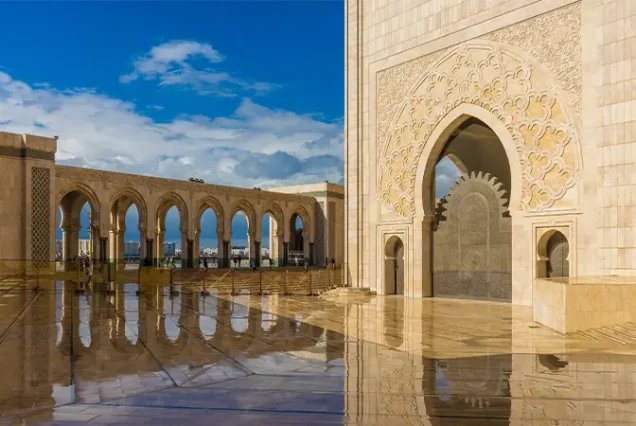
(182, 358)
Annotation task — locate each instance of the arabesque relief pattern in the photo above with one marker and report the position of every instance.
(515, 92)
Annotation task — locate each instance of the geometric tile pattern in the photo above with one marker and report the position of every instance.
(319, 232)
(40, 213)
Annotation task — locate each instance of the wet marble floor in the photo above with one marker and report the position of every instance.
(183, 358)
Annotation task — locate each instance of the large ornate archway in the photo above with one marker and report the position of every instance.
(516, 98)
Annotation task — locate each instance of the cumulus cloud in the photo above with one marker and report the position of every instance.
(446, 173)
(187, 63)
(254, 146)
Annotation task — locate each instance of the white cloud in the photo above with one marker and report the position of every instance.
(255, 146)
(186, 63)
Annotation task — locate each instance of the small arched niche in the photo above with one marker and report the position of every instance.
(553, 255)
(394, 266)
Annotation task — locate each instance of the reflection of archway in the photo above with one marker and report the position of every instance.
(394, 266)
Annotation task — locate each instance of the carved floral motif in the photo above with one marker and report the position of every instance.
(519, 95)
(558, 52)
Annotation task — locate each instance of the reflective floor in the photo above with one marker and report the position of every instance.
(180, 359)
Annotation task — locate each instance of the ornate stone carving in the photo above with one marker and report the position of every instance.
(517, 93)
(557, 50)
(472, 244)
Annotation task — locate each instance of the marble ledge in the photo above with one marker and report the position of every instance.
(574, 304)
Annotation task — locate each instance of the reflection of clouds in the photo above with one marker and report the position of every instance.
(207, 316)
(172, 310)
(59, 311)
(132, 319)
(442, 386)
(239, 314)
(266, 317)
(84, 326)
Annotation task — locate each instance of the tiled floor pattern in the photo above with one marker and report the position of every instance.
(117, 358)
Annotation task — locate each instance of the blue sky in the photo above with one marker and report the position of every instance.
(237, 93)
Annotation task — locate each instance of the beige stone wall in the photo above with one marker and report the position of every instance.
(529, 70)
(331, 196)
(610, 121)
(24, 200)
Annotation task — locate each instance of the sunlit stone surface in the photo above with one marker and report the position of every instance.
(101, 358)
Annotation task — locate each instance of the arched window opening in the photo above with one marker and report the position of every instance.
(296, 241)
(240, 241)
(208, 250)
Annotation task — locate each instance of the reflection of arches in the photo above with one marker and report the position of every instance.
(394, 323)
(553, 252)
(207, 317)
(394, 266)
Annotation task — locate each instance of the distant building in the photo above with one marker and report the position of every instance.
(169, 249)
(209, 251)
(131, 249)
(84, 247)
(264, 252)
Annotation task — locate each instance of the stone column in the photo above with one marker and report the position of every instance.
(159, 246)
(142, 244)
(112, 249)
(285, 253)
(121, 248)
(190, 257)
(196, 249)
(257, 254)
(311, 254)
(226, 254)
(151, 255)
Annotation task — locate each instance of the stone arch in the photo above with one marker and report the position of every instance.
(209, 202)
(83, 190)
(275, 210)
(135, 198)
(164, 204)
(425, 172)
(246, 207)
(553, 243)
(516, 92)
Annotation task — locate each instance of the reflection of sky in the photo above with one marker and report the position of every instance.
(172, 310)
(59, 295)
(266, 317)
(442, 386)
(239, 314)
(207, 316)
(84, 329)
(132, 318)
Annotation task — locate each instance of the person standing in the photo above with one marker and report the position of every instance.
(333, 263)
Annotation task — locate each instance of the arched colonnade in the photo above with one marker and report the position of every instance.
(110, 195)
